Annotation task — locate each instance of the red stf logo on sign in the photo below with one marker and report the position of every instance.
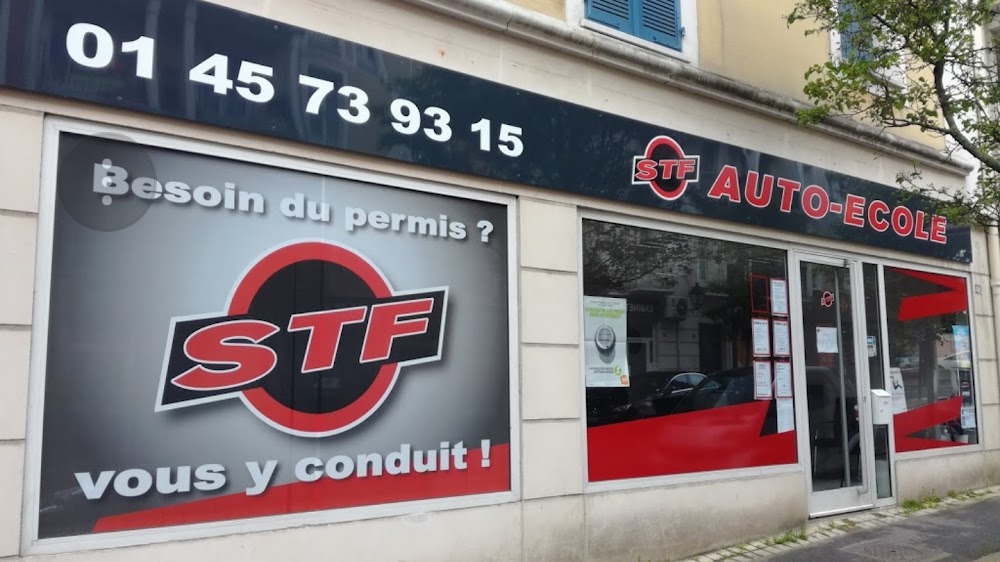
(312, 341)
(665, 168)
(827, 299)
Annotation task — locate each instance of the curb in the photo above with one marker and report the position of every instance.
(817, 531)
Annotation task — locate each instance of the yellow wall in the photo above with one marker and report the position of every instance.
(554, 8)
(749, 41)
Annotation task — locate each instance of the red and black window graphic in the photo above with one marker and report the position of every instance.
(716, 425)
(665, 168)
(313, 340)
(925, 312)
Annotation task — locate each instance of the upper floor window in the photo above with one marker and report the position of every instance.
(657, 21)
(856, 43)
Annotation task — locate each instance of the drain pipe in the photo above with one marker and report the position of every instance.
(993, 251)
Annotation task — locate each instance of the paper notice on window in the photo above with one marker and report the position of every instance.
(762, 380)
(786, 415)
(826, 340)
(783, 379)
(782, 339)
(898, 390)
(779, 297)
(968, 418)
(761, 337)
(605, 347)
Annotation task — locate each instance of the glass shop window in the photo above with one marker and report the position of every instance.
(687, 354)
(930, 360)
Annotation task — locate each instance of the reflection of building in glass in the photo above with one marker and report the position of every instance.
(690, 304)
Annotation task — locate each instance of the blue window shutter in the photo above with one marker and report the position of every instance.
(851, 42)
(659, 21)
(615, 13)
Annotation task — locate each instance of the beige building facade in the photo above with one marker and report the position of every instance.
(600, 468)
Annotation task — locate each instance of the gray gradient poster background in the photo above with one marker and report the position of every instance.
(123, 267)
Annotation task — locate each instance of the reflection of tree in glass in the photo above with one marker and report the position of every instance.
(730, 304)
(616, 257)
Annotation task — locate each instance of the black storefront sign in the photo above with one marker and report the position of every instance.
(192, 60)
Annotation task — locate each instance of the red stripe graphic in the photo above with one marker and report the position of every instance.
(716, 439)
(299, 497)
(954, 299)
(925, 417)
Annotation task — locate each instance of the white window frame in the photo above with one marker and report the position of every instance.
(576, 13)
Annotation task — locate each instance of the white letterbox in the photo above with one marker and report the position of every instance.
(881, 407)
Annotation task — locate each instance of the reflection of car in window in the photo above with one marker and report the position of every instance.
(660, 399)
(730, 387)
(724, 388)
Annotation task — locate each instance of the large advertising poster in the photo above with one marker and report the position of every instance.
(228, 340)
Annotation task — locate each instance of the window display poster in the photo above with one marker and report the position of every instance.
(872, 347)
(782, 339)
(826, 340)
(761, 337)
(187, 387)
(963, 346)
(762, 380)
(604, 328)
(786, 415)
(779, 297)
(783, 379)
(898, 390)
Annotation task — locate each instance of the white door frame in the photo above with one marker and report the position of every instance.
(841, 500)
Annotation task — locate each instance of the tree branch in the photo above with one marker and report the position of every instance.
(955, 131)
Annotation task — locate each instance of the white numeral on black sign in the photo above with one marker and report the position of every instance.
(143, 47)
(407, 120)
(483, 128)
(76, 41)
(510, 142)
(440, 131)
(254, 75)
(214, 71)
(358, 108)
(407, 116)
(323, 89)
(104, 49)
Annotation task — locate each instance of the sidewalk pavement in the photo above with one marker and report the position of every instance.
(961, 528)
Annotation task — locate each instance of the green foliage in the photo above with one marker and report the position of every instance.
(844, 525)
(924, 64)
(914, 505)
(790, 536)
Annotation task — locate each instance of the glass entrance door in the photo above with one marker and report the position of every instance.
(830, 331)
